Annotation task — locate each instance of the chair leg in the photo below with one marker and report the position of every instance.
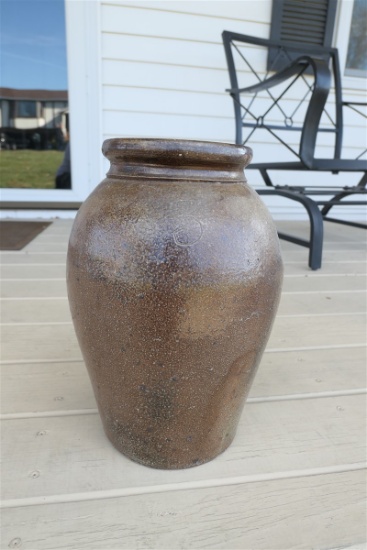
(316, 233)
(316, 225)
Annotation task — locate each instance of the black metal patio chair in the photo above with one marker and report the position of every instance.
(267, 103)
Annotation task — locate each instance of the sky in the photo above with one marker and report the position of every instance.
(33, 44)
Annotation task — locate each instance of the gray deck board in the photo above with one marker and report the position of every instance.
(294, 476)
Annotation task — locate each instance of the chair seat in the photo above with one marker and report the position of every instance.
(322, 165)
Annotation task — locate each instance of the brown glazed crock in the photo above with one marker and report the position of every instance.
(174, 276)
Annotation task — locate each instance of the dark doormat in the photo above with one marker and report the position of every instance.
(16, 235)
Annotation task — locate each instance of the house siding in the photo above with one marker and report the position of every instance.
(164, 74)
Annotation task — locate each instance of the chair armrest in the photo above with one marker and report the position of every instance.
(317, 102)
(298, 66)
(295, 69)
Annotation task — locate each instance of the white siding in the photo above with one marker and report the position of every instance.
(26, 123)
(164, 74)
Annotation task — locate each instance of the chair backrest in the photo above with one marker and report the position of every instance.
(263, 99)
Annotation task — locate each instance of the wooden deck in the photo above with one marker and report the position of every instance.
(294, 476)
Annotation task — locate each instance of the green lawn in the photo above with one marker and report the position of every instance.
(29, 169)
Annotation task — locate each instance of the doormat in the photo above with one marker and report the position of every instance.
(16, 235)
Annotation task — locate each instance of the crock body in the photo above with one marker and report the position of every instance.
(174, 275)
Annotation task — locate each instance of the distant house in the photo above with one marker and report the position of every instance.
(33, 118)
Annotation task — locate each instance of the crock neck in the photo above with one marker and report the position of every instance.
(176, 159)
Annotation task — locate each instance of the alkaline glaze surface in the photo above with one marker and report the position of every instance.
(174, 276)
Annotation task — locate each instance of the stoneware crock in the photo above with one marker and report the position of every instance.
(174, 275)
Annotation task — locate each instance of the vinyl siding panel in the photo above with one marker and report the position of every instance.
(164, 74)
